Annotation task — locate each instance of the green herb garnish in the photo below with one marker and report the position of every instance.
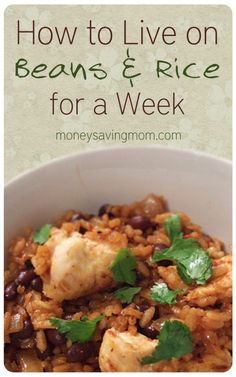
(123, 267)
(193, 263)
(175, 340)
(42, 235)
(126, 294)
(77, 330)
(173, 227)
(162, 294)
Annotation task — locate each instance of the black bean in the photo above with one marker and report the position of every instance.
(103, 209)
(139, 222)
(55, 337)
(15, 342)
(96, 348)
(157, 313)
(82, 230)
(79, 352)
(37, 284)
(25, 277)
(28, 264)
(142, 307)
(150, 331)
(10, 351)
(160, 247)
(165, 263)
(139, 275)
(10, 291)
(25, 333)
(43, 355)
(77, 216)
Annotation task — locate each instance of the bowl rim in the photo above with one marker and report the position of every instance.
(173, 150)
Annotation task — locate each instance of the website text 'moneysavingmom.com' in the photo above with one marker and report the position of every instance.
(118, 136)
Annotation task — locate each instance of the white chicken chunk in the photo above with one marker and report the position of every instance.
(123, 352)
(78, 266)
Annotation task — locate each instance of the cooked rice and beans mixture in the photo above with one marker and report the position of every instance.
(134, 288)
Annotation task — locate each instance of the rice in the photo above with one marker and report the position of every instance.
(147, 317)
(205, 309)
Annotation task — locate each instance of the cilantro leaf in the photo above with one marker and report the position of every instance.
(123, 267)
(162, 294)
(193, 263)
(126, 294)
(42, 235)
(175, 340)
(173, 227)
(77, 330)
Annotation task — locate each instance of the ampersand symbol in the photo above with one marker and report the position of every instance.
(128, 66)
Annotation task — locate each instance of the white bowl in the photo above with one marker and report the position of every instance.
(191, 182)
